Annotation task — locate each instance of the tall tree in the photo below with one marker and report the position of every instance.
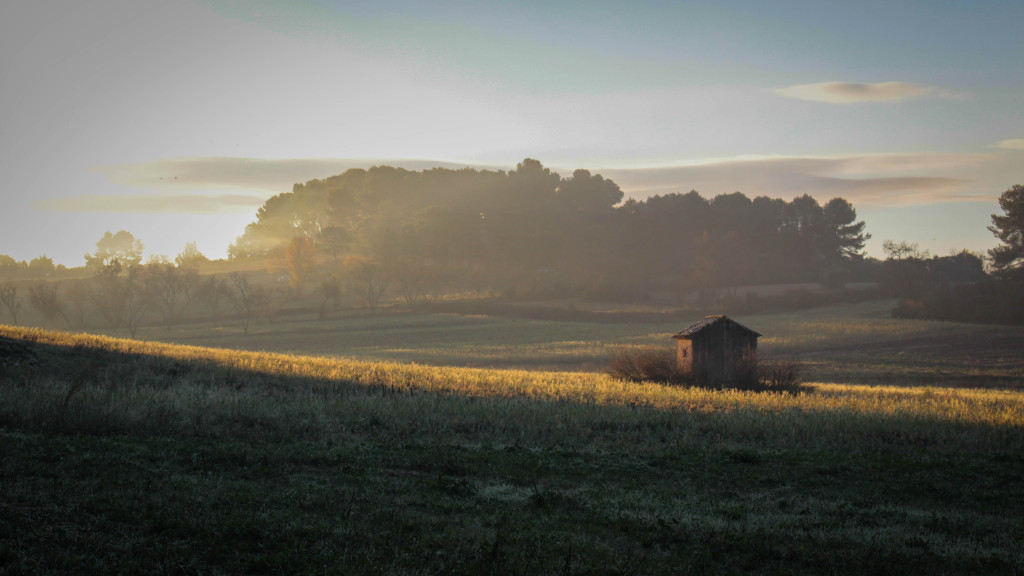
(531, 185)
(1008, 259)
(844, 237)
(298, 260)
(303, 212)
(190, 257)
(802, 228)
(334, 240)
(41, 266)
(587, 193)
(9, 266)
(121, 247)
(345, 193)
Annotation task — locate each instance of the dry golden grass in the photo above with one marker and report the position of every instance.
(571, 408)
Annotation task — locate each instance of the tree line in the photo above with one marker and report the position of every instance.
(389, 233)
(958, 287)
(39, 267)
(123, 292)
(531, 229)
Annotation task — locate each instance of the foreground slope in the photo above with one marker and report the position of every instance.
(131, 456)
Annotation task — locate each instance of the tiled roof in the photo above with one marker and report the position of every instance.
(706, 322)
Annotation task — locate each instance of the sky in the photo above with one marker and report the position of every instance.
(177, 120)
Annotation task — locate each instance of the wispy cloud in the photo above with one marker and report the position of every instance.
(257, 174)
(209, 185)
(1014, 144)
(166, 203)
(233, 185)
(854, 93)
(205, 173)
(881, 179)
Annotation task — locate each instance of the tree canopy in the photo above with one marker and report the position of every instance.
(1008, 258)
(120, 247)
(533, 226)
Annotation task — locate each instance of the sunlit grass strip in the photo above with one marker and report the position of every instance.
(276, 395)
(968, 405)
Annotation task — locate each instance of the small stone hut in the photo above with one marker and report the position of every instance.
(716, 350)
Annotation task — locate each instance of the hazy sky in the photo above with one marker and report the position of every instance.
(176, 120)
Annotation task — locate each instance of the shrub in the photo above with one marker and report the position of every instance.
(766, 374)
(647, 364)
(780, 374)
(989, 302)
(653, 364)
(747, 372)
(910, 309)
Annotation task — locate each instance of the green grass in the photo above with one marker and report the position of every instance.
(139, 457)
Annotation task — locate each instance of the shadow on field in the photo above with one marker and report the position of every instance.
(990, 360)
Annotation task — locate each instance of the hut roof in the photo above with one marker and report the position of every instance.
(706, 323)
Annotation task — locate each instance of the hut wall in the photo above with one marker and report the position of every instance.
(717, 354)
(684, 354)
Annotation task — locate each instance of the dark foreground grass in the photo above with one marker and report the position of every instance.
(88, 504)
(242, 476)
(98, 504)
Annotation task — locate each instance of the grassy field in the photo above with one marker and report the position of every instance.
(140, 457)
(857, 343)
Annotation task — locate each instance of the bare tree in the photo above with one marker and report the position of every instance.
(78, 295)
(412, 279)
(106, 295)
(247, 299)
(212, 291)
(170, 288)
(268, 303)
(122, 299)
(137, 300)
(368, 280)
(43, 298)
(329, 292)
(906, 267)
(9, 298)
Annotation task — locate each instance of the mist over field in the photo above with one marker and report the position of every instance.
(473, 372)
